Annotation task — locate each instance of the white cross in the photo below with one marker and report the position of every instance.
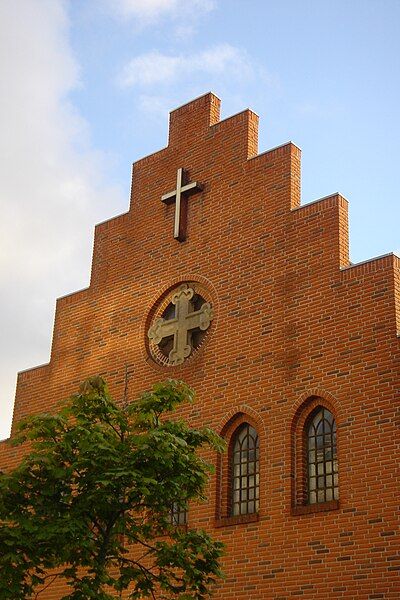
(179, 196)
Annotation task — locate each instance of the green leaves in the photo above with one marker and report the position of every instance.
(95, 493)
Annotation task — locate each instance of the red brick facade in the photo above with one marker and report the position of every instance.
(295, 326)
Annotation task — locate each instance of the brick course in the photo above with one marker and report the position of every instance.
(295, 324)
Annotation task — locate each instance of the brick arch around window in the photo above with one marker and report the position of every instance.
(230, 426)
(305, 408)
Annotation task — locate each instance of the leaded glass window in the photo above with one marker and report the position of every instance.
(322, 461)
(245, 471)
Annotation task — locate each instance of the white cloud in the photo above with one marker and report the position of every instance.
(51, 188)
(150, 68)
(157, 68)
(148, 11)
(156, 106)
(313, 110)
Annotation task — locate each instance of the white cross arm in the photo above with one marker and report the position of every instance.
(162, 329)
(200, 318)
(170, 197)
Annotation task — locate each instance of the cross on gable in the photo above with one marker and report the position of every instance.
(180, 327)
(180, 196)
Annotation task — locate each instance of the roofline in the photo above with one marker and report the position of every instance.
(195, 100)
(363, 262)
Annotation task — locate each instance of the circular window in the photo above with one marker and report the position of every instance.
(179, 325)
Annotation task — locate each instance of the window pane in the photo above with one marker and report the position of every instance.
(178, 515)
(328, 417)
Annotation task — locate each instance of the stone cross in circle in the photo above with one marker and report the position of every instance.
(181, 325)
(179, 196)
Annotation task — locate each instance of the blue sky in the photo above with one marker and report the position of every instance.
(324, 74)
(86, 90)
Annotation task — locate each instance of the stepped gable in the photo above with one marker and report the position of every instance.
(293, 321)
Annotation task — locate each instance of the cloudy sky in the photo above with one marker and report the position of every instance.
(85, 90)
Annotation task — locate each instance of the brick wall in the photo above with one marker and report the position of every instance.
(295, 323)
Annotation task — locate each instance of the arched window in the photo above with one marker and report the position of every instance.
(322, 463)
(245, 474)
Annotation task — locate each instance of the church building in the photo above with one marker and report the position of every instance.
(218, 276)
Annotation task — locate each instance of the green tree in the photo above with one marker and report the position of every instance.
(91, 502)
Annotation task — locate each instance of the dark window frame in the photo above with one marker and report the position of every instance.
(244, 471)
(322, 472)
(178, 515)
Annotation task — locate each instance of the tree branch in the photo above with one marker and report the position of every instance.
(146, 572)
(52, 578)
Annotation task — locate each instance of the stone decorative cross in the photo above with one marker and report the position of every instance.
(179, 196)
(181, 325)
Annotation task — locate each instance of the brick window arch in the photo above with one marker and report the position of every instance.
(315, 480)
(239, 470)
